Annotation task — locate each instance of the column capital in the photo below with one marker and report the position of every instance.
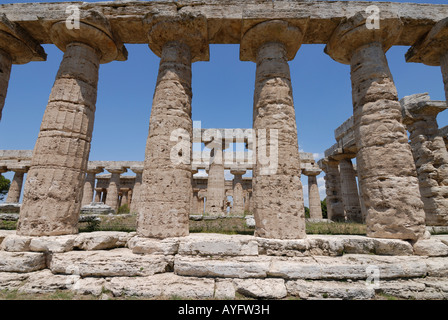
(429, 49)
(18, 44)
(95, 31)
(236, 172)
(280, 31)
(118, 170)
(137, 170)
(417, 106)
(352, 34)
(188, 28)
(94, 170)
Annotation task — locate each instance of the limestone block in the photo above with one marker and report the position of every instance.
(392, 247)
(111, 263)
(4, 234)
(431, 247)
(168, 246)
(52, 244)
(12, 280)
(261, 288)
(350, 266)
(218, 245)
(89, 285)
(330, 290)
(101, 240)
(16, 243)
(232, 267)
(277, 247)
(44, 282)
(162, 285)
(437, 267)
(21, 261)
(224, 289)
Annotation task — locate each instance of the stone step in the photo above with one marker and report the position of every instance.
(166, 285)
(21, 261)
(350, 266)
(108, 263)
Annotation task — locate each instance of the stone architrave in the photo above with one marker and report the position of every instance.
(164, 207)
(238, 196)
(335, 205)
(54, 185)
(433, 50)
(89, 185)
(137, 188)
(278, 207)
(430, 154)
(15, 189)
(114, 187)
(386, 169)
(16, 47)
(349, 191)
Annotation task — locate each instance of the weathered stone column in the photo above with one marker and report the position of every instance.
(166, 186)
(278, 207)
(125, 196)
(114, 187)
(216, 198)
(386, 168)
(136, 190)
(16, 47)
(89, 185)
(53, 189)
(433, 50)
(335, 205)
(238, 199)
(98, 194)
(349, 191)
(15, 189)
(430, 154)
(314, 197)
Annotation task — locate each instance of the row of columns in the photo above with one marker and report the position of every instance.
(386, 169)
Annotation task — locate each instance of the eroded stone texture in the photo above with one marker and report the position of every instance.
(385, 165)
(349, 190)
(136, 191)
(430, 155)
(5, 72)
(166, 184)
(216, 197)
(238, 199)
(53, 189)
(277, 189)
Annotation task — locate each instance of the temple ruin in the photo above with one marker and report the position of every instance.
(374, 174)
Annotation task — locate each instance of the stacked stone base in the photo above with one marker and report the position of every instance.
(219, 266)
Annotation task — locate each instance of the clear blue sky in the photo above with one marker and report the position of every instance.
(222, 96)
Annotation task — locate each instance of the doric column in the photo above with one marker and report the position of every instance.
(89, 185)
(349, 191)
(98, 195)
(335, 205)
(166, 186)
(313, 195)
(238, 199)
(386, 168)
(125, 196)
(216, 197)
(53, 190)
(16, 47)
(137, 188)
(278, 207)
(432, 50)
(15, 188)
(430, 154)
(114, 187)
(104, 196)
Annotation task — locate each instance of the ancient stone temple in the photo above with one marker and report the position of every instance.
(374, 174)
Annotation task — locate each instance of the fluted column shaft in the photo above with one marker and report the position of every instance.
(349, 191)
(56, 177)
(15, 189)
(5, 72)
(136, 191)
(166, 187)
(314, 198)
(113, 189)
(335, 205)
(89, 187)
(215, 204)
(238, 197)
